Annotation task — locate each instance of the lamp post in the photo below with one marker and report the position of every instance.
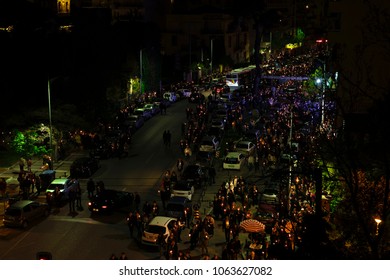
(378, 221)
(323, 89)
(211, 55)
(50, 123)
(140, 70)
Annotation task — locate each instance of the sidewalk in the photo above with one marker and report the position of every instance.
(10, 174)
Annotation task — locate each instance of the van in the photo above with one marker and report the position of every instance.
(23, 212)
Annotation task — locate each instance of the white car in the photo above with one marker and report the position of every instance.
(184, 92)
(182, 188)
(234, 160)
(245, 147)
(170, 96)
(63, 185)
(219, 123)
(159, 224)
(269, 196)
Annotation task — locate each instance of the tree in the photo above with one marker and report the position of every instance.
(30, 142)
(263, 20)
(359, 151)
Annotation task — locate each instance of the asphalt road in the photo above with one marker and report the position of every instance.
(83, 236)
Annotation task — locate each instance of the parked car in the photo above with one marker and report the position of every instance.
(184, 92)
(159, 224)
(23, 212)
(154, 108)
(101, 149)
(46, 177)
(84, 167)
(266, 217)
(179, 207)
(234, 160)
(205, 158)
(171, 96)
(221, 114)
(108, 201)
(182, 188)
(245, 147)
(63, 185)
(252, 135)
(135, 122)
(269, 195)
(219, 123)
(143, 112)
(216, 132)
(194, 173)
(209, 144)
(195, 97)
(225, 96)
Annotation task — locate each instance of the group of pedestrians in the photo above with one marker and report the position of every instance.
(167, 138)
(137, 219)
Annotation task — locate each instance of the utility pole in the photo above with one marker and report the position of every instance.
(211, 56)
(50, 123)
(140, 70)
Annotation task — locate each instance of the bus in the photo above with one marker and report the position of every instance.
(239, 77)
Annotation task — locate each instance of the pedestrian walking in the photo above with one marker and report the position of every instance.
(194, 235)
(180, 165)
(204, 241)
(91, 187)
(131, 220)
(165, 138)
(212, 174)
(137, 200)
(155, 208)
(29, 164)
(3, 186)
(169, 138)
(78, 195)
(72, 199)
(226, 228)
(251, 162)
(161, 243)
(22, 163)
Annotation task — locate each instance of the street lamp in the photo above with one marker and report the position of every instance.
(50, 123)
(322, 81)
(378, 221)
(141, 70)
(211, 56)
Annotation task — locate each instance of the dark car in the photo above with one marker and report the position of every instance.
(101, 150)
(24, 212)
(194, 173)
(110, 200)
(179, 207)
(205, 158)
(84, 167)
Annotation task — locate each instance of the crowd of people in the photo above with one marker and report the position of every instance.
(288, 126)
